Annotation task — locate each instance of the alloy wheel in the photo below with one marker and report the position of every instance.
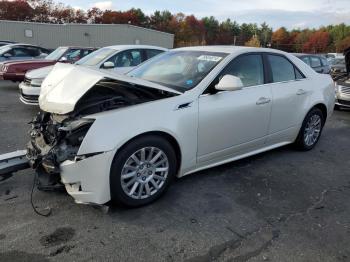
(144, 173)
(312, 130)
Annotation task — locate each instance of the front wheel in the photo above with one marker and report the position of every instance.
(310, 130)
(142, 171)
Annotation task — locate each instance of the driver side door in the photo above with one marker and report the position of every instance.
(235, 122)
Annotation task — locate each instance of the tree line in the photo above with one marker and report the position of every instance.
(187, 29)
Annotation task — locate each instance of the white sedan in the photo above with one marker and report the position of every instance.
(118, 58)
(125, 137)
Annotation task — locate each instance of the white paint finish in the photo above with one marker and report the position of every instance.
(288, 105)
(39, 73)
(91, 173)
(213, 130)
(67, 83)
(229, 119)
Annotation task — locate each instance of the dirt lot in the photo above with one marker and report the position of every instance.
(283, 205)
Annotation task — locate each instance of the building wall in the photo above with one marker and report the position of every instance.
(90, 35)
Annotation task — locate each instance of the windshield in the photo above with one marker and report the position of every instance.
(180, 70)
(57, 53)
(4, 49)
(96, 57)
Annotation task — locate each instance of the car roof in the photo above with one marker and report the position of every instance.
(19, 44)
(229, 49)
(303, 54)
(124, 47)
(80, 47)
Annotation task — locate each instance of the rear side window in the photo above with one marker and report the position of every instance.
(152, 52)
(21, 52)
(324, 61)
(315, 62)
(281, 69)
(33, 51)
(306, 60)
(249, 68)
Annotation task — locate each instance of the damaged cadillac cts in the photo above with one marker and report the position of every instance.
(124, 138)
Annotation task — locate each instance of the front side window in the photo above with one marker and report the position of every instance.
(127, 58)
(249, 68)
(315, 62)
(281, 69)
(180, 70)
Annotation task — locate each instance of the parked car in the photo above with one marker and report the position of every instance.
(15, 70)
(125, 137)
(342, 83)
(337, 65)
(5, 42)
(318, 63)
(21, 52)
(119, 58)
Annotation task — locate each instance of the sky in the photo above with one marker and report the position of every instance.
(277, 13)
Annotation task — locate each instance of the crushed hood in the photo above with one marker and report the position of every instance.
(66, 84)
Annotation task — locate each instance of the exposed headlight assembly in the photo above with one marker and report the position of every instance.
(76, 130)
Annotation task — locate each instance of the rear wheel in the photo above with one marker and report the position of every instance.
(142, 171)
(311, 130)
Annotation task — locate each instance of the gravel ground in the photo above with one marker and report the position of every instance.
(282, 205)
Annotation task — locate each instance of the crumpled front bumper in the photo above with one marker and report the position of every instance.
(87, 180)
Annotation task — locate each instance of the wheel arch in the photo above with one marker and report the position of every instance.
(323, 109)
(171, 139)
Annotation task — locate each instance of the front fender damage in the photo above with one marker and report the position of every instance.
(55, 139)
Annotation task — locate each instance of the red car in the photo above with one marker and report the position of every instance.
(16, 69)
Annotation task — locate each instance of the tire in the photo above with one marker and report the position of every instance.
(302, 142)
(337, 107)
(125, 171)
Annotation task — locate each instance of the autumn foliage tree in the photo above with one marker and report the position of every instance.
(317, 42)
(253, 42)
(281, 39)
(343, 44)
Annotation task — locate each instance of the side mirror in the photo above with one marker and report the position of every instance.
(108, 65)
(7, 55)
(63, 59)
(229, 83)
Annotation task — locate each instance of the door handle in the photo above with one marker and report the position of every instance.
(301, 92)
(263, 100)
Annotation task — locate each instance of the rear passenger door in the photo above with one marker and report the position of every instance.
(289, 98)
